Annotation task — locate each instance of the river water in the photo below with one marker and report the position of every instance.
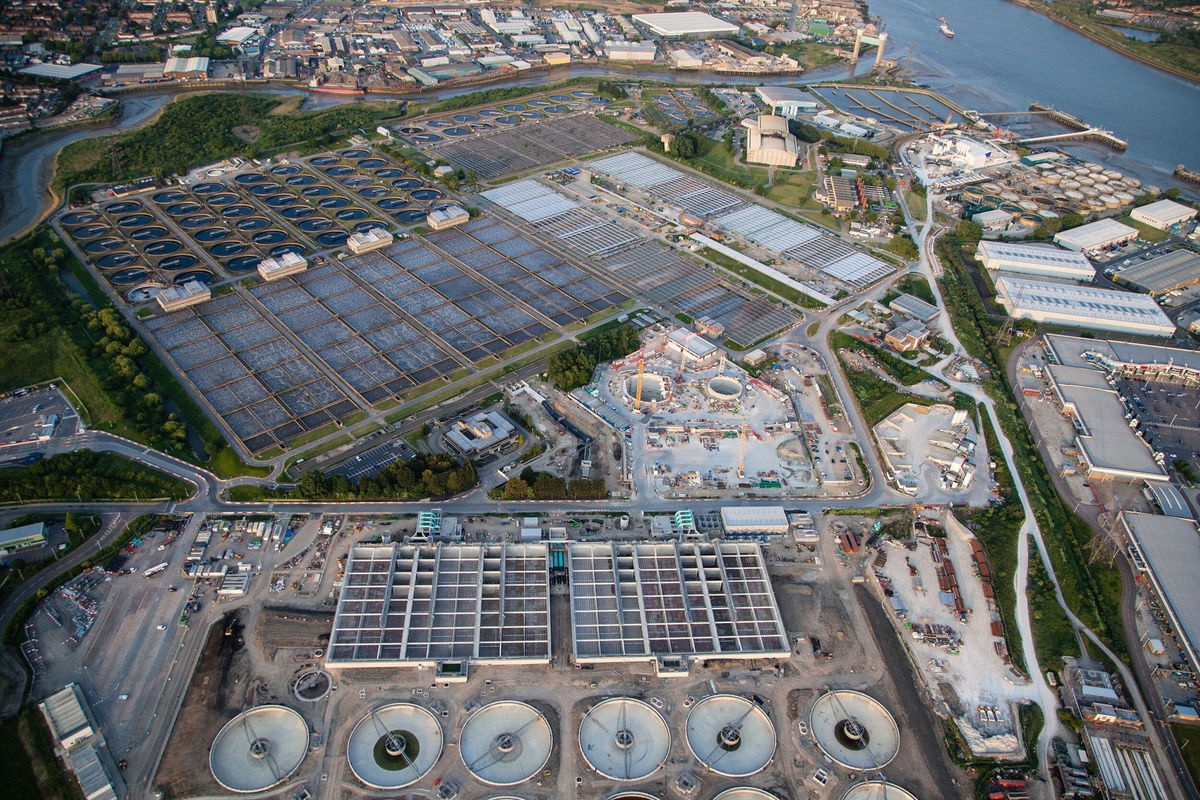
(1003, 58)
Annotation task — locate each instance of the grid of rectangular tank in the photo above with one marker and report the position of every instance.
(639, 600)
(584, 230)
(421, 605)
(265, 390)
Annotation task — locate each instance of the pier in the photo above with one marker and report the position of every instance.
(1094, 134)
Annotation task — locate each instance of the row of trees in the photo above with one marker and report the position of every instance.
(573, 368)
(436, 475)
(88, 475)
(531, 485)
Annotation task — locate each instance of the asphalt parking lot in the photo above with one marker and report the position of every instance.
(23, 418)
(1169, 417)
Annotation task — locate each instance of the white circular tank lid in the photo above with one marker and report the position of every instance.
(506, 742)
(877, 790)
(854, 729)
(624, 739)
(730, 735)
(258, 748)
(394, 746)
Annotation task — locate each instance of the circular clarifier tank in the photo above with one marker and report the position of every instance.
(332, 238)
(427, 194)
(878, 790)
(179, 209)
(624, 739)
(163, 247)
(351, 214)
(115, 260)
(388, 172)
(316, 191)
(723, 388)
(134, 220)
(123, 207)
(301, 180)
(269, 237)
(333, 202)
(223, 249)
(394, 746)
(339, 171)
(392, 203)
(276, 252)
(296, 212)
(211, 235)
(854, 729)
(253, 224)
(102, 245)
(324, 161)
(222, 199)
(79, 218)
(207, 188)
(730, 735)
(355, 153)
(250, 178)
(285, 169)
(407, 183)
(196, 221)
(129, 276)
(281, 200)
(89, 231)
(372, 163)
(241, 263)
(172, 263)
(506, 743)
(258, 749)
(201, 275)
(171, 196)
(745, 793)
(314, 225)
(147, 234)
(409, 215)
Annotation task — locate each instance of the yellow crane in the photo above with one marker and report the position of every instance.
(637, 398)
(742, 451)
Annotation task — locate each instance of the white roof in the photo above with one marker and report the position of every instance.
(753, 517)
(194, 64)
(683, 23)
(1094, 234)
(721, 714)
(998, 255)
(1080, 352)
(696, 345)
(189, 289)
(1165, 212)
(833, 709)
(258, 748)
(1170, 548)
(66, 715)
(237, 35)
(624, 739)
(1102, 305)
(783, 94)
(62, 72)
(506, 742)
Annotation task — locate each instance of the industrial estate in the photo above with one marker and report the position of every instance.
(687, 431)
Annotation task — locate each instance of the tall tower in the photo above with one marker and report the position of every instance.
(879, 54)
(858, 34)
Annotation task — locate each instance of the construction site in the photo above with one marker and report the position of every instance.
(701, 426)
(932, 452)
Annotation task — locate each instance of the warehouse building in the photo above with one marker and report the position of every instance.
(786, 101)
(64, 72)
(769, 142)
(173, 298)
(1108, 448)
(1041, 260)
(1167, 551)
(1163, 274)
(186, 69)
(1124, 358)
(1096, 236)
(631, 51)
(135, 73)
(1083, 307)
(443, 605)
(671, 602)
(673, 25)
(914, 307)
(23, 537)
(480, 434)
(698, 351)
(1163, 214)
(994, 220)
(754, 520)
(77, 739)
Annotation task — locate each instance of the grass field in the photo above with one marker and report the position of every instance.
(1147, 232)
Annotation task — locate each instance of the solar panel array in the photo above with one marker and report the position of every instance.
(257, 381)
(767, 228)
(635, 600)
(543, 142)
(403, 604)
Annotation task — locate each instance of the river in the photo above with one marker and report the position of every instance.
(1004, 56)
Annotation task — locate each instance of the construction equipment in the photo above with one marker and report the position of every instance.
(742, 452)
(637, 398)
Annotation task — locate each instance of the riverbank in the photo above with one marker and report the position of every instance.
(1112, 40)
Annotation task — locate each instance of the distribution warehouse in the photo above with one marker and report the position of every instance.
(1034, 259)
(1163, 274)
(686, 23)
(1083, 307)
(1167, 550)
(1096, 236)
(1163, 214)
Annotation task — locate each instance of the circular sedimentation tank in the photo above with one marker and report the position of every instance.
(1073, 195)
(877, 790)
(394, 746)
(854, 729)
(723, 388)
(973, 193)
(258, 749)
(730, 735)
(654, 388)
(506, 743)
(1031, 219)
(312, 686)
(745, 793)
(624, 739)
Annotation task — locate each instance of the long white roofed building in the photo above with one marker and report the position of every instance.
(1044, 261)
(1083, 307)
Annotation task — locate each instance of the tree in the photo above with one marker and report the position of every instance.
(516, 489)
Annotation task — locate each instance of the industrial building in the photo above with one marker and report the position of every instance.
(1126, 358)
(1095, 237)
(754, 521)
(668, 602)
(908, 335)
(996, 219)
(23, 537)
(697, 351)
(1163, 214)
(1167, 551)
(444, 605)
(281, 266)
(631, 51)
(1083, 307)
(368, 240)
(1044, 261)
(193, 69)
(78, 741)
(672, 25)
(1162, 274)
(482, 433)
(786, 101)
(441, 218)
(837, 192)
(63, 72)
(914, 307)
(173, 298)
(1107, 447)
(769, 142)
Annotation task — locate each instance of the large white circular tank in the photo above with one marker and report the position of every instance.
(730, 735)
(854, 729)
(624, 739)
(745, 793)
(258, 749)
(505, 743)
(877, 790)
(394, 746)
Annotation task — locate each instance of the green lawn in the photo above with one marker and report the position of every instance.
(1147, 232)
(1188, 739)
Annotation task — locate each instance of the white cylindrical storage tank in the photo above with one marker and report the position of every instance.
(1085, 180)
(854, 729)
(394, 746)
(745, 793)
(258, 749)
(1011, 197)
(1089, 191)
(1110, 200)
(1125, 198)
(1070, 183)
(1074, 196)
(1048, 214)
(877, 790)
(1100, 178)
(730, 735)
(1052, 178)
(1131, 181)
(506, 743)
(624, 739)
(1028, 205)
